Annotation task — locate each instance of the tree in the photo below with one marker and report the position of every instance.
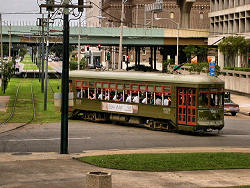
(199, 51)
(233, 46)
(58, 49)
(22, 52)
(8, 71)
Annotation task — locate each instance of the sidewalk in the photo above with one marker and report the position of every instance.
(28, 170)
(243, 102)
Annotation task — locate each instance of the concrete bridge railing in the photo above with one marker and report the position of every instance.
(234, 80)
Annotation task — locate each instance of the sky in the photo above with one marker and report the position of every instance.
(21, 6)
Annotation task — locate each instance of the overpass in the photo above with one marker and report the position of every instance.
(109, 36)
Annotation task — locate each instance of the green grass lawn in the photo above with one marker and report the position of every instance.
(27, 59)
(171, 161)
(30, 67)
(24, 104)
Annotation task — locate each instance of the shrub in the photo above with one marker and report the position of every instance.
(237, 69)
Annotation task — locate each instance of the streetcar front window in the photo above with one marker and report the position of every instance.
(210, 98)
(203, 99)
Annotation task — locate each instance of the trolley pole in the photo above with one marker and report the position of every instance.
(65, 82)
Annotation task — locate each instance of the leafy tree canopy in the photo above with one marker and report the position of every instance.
(234, 45)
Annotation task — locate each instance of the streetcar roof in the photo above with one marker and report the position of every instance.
(150, 77)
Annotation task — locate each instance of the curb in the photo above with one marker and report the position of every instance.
(245, 113)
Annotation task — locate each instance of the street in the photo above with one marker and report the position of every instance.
(85, 135)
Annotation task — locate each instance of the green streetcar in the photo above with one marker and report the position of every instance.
(154, 100)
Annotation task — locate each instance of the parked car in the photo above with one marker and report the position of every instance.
(231, 107)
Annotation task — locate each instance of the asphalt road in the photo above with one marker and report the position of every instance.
(85, 135)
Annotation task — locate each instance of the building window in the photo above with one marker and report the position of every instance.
(201, 15)
(171, 15)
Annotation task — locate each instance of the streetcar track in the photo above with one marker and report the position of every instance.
(13, 111)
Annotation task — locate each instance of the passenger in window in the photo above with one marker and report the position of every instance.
(136, 99)
(120, 97)
(106, 97)
(78, 94)
(158, 100)
(100, 96)
(129, 99)
(144, 99)
(167, 101)
(115, 97)
(92, 96)
(151, 100)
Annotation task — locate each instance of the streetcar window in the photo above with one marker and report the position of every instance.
(119, 86)
(85, 84)
(150, 88)
(166, 89)
(91, 84)
(203, 99)
(112, 86)
(142, 87)
(98, 84)
(78, 84)
(105, 85)
(216, 99)
(135, 87)
(127, 86)
(158, 88)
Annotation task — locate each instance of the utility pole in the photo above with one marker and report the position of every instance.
(121, 36)
(9, 42)
(65, 82)
(42, 84)
(46, 67)
(65, 66)
(1, 36)
(79, 45)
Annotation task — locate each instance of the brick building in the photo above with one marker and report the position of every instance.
(135, 14)
(169, 17)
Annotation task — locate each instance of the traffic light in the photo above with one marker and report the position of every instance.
(124, 58)
(99, 47)
(49, 3)
(80, 2)
(87, 47)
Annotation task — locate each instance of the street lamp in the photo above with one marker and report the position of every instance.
(177, 37)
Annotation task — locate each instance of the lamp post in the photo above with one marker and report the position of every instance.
(177, 37)
(121, 36)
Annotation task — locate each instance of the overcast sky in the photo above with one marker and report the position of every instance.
(21, 6)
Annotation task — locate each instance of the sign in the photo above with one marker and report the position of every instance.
(212, 69)
(124, 108)
(194, 59)
(211, 61)
(211, 74)
(212, 64)
(154, 7)
(211, 58)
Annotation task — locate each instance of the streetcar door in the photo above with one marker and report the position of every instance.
(186, 106)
